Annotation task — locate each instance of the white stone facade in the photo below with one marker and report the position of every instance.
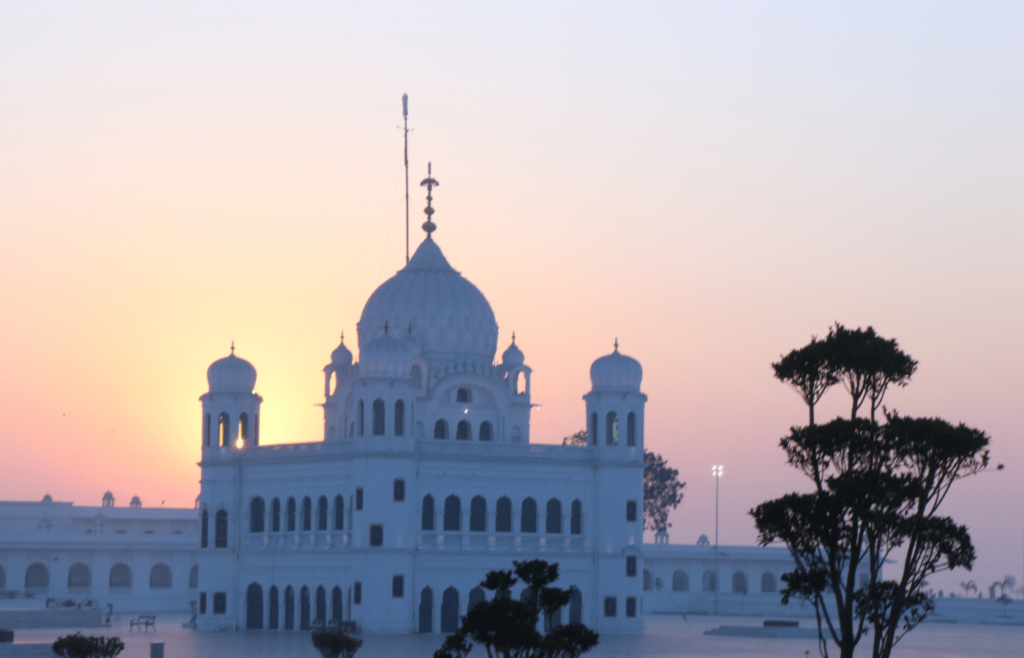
(425, 479)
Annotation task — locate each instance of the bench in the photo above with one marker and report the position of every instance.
(144, 622)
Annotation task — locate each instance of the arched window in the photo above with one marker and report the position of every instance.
(476, 595)
(204, 530)
(462, 432)
(485, 431)
(576, 518)
(519, 383)
(452, 514)
(193, 576)
(79, 576)
(256, 431)
(739, 582)
(362, 417)
(335, 605)
(593, 429)
(160, 576)
(304, 608)
(611, 429)
(576, 607)
(517, 434)
(339, 514)
(3, 578)
(478, 514)
(321, 514)
(307, 514)
(257, 512)
(37, 578)
(441, 429)
(206, 430)
(428, 513)
(291, 514)
(680, 581)
(648, 581)
(275, 515)
(553, 517)
(416, 375)
(399, 418)
(463, 395)
(767, 582)
(528, 519)
(272, 612)
(503, 515)
(220, 529)
(631, 429)
(450, 610)
(243, 427)
(120, 576)
(254, 607)
(426, 620)
(321, 605)
(378, 417)
(289, 608)
(708, 581)
(224, 428)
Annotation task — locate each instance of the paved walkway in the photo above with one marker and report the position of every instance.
(666, 636)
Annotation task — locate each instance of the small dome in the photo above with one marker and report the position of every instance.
(231, 374)
(616, 372)
(513, 356)
(388, 356)
(135, 502)
(341, 357)
(47, 498)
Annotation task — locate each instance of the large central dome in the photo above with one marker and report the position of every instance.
(450, 319)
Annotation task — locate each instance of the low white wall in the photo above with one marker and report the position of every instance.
(55, 618)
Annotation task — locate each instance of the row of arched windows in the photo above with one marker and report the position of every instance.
(37, 576)
(709, 581)
(379, 411)
(611, 429)
(452, 515)
(464, 431)
(293, 518)
(282, 610)
(224, 429)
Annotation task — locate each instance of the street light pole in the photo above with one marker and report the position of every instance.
(717, 472)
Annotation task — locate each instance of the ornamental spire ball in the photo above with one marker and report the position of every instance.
(430, 184)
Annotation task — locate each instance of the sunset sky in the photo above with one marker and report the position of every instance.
(711, 183)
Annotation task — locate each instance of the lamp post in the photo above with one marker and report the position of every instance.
(717, 472)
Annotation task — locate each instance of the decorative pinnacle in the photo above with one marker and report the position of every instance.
(616, 343)
(429, 183)
(343, 336)
(513, 338)
(232, 346)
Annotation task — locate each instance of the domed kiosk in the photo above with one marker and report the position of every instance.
(231, 410)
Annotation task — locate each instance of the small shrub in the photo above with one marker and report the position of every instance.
(335, 644)
(87, 646)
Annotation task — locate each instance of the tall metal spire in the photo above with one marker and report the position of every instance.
(430, 184)
(405, 129)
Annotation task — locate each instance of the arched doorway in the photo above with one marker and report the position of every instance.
(254, 607)
(427, 610)
(576, 607)
(450, 610)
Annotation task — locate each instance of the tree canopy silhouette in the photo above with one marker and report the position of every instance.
(876, 487)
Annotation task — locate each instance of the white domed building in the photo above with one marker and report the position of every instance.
(424, 481)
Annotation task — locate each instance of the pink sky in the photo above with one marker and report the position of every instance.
(712, 184)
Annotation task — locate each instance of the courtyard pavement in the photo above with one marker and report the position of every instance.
(666, 635)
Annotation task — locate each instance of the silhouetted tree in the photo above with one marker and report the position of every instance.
(335, 644)
(809, 371)
(507, 627)
(662, 491)
(87, 646)
(876, 488)
(577, 439)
